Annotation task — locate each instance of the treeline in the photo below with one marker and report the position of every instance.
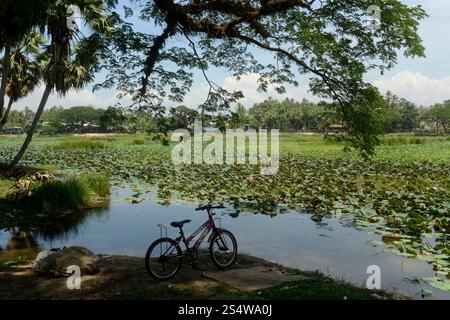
(400, 115)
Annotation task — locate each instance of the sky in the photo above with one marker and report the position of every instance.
(425, 81)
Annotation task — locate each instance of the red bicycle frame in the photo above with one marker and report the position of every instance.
(203, 230)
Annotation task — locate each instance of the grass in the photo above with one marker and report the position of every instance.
(56, 196)
(402, 192)
(15, 262)
(5, 185)
(398, 148)
(97, 184)
(402, 140)
(316, 287)
(79, 145)
(138, 141)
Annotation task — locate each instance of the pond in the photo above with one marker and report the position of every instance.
(333, 245)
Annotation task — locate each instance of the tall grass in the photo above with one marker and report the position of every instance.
(138, 141)
(72, 193)
(97, 184)
(401, 140)
(79, 145)
(103, 138)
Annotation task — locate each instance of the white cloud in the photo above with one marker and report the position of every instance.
(248, 84)
(72, 98)
(416, 87)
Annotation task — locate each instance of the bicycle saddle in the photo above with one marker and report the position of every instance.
(179, 224)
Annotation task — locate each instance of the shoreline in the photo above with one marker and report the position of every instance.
(125, 278)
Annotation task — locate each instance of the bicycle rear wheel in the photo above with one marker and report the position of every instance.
(163, 259)
(223, 248)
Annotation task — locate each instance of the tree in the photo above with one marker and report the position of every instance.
(182, 117)
(17, 18)
(287, 115)
(399, 114)
(112, 119)
(239, 117)
(328, 40)
(440, 115)
(70, 66)
(409, 115)
(76, 117)
(26, 63)
(266, 113)
(21, 118)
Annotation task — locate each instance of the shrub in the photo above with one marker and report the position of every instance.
(69, 194)
(58, 195)
(400, 140)
(98, 184)
(138, 142)
(79, 145)
(100, 138)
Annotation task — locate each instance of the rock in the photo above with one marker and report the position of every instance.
(35, 177)
(252, 279)
(55, 262)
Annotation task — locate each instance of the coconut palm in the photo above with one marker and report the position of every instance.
(13, 28)
(73, 58)
(26, 66)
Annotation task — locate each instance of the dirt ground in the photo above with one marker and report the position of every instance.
(118, 276)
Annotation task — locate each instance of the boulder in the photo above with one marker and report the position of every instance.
(56, 261)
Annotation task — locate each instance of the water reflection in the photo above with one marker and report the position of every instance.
(24, 240)
(70, 226)
(329, 244)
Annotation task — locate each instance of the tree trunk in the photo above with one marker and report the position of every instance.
(5, 75)
(18, 157)
(4, 119)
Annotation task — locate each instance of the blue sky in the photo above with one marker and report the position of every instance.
(425, 81)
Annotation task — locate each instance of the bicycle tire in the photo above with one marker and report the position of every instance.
(148, 254)
(211, 248)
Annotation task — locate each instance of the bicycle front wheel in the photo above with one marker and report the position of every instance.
(163, 259)
(223, 248)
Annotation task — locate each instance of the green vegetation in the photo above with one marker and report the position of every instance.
(75, 145)
(138, 141)
(403, 194)
(15, 262)
(61, 195)
(401, 140)
(316, 47)
(316, 287)
(58, 196)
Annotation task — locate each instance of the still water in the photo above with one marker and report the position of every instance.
(293, 239)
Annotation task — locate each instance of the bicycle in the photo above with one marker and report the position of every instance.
(165, 263)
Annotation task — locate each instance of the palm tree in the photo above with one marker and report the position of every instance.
(72, 58)
(26, 70)
(13, 28)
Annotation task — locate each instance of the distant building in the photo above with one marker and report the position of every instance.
(13, 130)
(89, 128)
(336, 128)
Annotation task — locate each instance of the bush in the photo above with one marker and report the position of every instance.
(102, 138)
(61, 195)
(401, 140)
(337, 138)
(98, 184)
(79, 145)
(138, 142)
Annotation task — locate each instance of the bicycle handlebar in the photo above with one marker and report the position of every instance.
(209, 207)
